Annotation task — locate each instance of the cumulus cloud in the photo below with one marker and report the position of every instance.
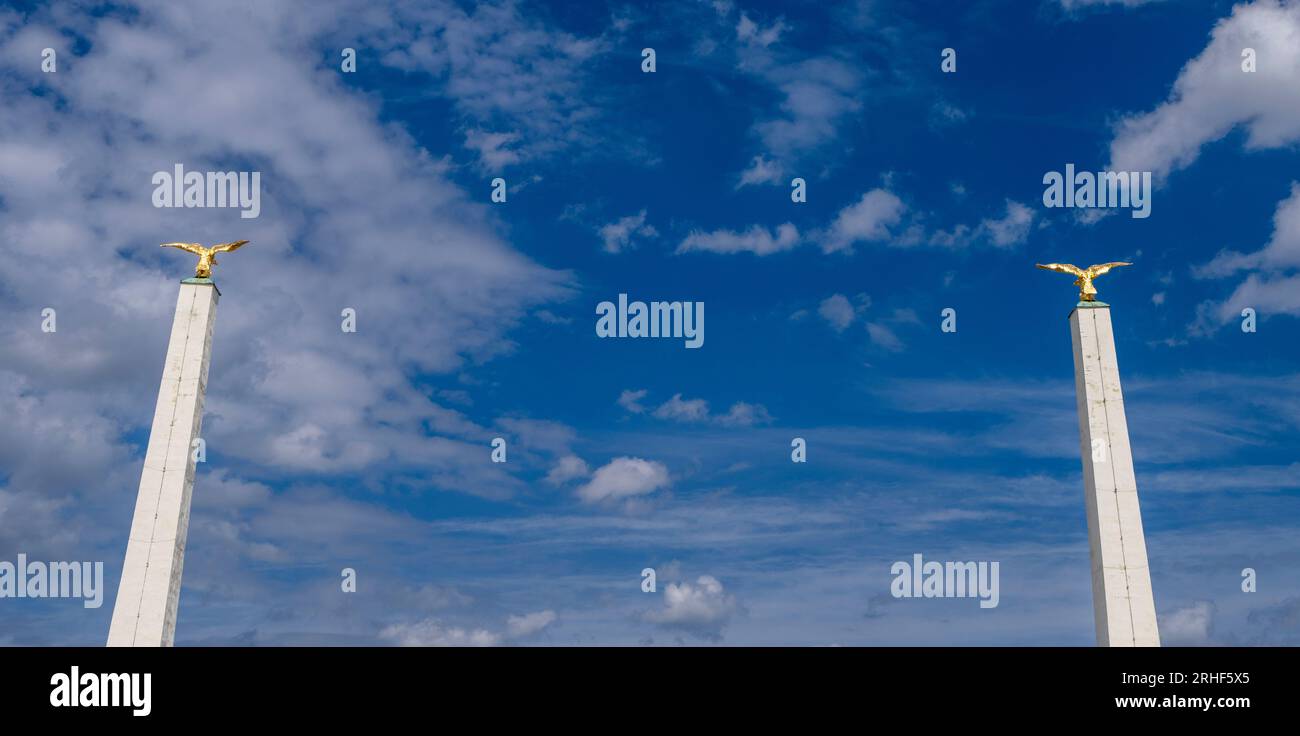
(818, 94)
(1012, 228)
(837, 310)
(354, 213)
(1190, 625)
(696, 411)
(877, 217)
(1212, 94)
(617, 236)
(703, 608)
(567, 468)
(683, 410)
(867, 220)
(624, 478)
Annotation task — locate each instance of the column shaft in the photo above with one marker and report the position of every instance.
(1123, 602)
(147, 596)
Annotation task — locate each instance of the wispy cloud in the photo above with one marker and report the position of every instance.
(618, 236)
(696, 411)
(519, 86)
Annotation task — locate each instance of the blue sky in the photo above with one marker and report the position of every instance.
(370, 450)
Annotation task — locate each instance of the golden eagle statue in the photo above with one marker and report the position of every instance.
(207, 256)
(1087, 292)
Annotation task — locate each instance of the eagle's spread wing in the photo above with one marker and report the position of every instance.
(1104, 267)
(194, 248)
(228, 247)
(1069, 268)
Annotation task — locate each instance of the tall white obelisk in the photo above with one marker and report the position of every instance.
(147, 596)
(1122, 600)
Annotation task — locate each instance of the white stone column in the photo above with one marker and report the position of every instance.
(1122, 600)
(144, 614)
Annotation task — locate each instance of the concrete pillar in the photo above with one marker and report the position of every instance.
(1122, 600)
(144, 614)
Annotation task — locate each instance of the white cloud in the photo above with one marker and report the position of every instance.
(529, 624)
(353, 213)
(1212, 94)
(749, 32)
(1281, 252)
(1190, 625)
(760, 171)
(837, 310)
(876, 217)
(493, 148)
(1012, 228)
(432, 633)
(1273, 287)
(434, 597)
(519, 86)
(819, 93)
(624, 477)
(1265, 294)
(683, 410)
(944, 114)
(702, 609)
(743, 414)
(756, 240)
(883, 336)
(631, 400)
(567, 468)
(696, 411)
(867, 220)
(617, 235)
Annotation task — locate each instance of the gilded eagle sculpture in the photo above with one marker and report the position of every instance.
(1087, 292)
(207, 256)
